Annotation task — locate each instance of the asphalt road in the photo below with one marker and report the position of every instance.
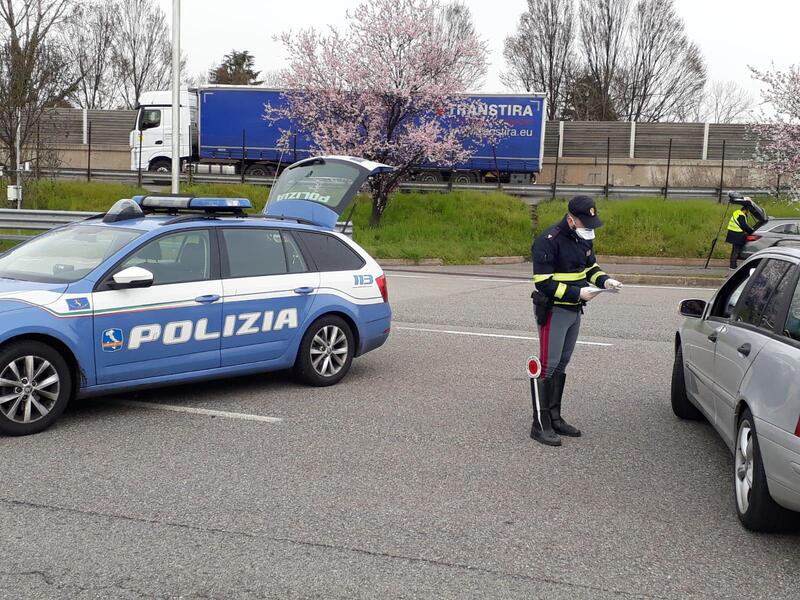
(413, 478)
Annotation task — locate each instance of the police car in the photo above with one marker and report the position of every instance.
(168, 289)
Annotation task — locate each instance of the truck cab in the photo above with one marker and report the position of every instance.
(151, 137)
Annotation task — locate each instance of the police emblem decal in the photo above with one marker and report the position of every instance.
(112, 340)
(78, 304)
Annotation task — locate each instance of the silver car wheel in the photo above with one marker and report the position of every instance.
(744, 466)
(329, 351)
(29, 388)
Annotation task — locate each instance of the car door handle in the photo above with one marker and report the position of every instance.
(744, 349)
(159, 142)
(207, 299)
(713, 337)
(303, 290)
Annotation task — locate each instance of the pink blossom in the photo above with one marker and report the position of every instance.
(389, 88)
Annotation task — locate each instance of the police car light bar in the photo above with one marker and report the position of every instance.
(173, 203)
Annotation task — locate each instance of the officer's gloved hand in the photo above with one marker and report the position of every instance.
(613, 284)
(587, 293)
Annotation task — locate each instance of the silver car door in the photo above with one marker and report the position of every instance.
(740, 341)
(700, 339)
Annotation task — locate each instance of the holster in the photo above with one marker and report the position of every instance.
(542, 305)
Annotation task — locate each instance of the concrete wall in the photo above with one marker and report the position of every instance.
(645, 172)
(116, 158)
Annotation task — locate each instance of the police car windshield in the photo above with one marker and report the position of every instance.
(326, 184)
(64, 255)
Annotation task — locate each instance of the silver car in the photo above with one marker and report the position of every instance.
(775, 232)
(737, 363)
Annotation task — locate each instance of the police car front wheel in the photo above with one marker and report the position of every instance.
(326, 352)
(35, 386)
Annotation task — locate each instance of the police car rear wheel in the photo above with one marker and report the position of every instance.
(326, 352)
(35, 386)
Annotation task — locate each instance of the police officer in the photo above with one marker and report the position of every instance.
(738, 230)
(566, 276)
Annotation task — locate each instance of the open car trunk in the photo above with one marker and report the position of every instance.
(318, 190)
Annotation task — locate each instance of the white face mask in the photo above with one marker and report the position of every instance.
(584, 234)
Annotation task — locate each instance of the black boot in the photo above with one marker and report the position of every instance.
(542, 397)
(560, 426)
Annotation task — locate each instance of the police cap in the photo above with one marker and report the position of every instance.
(585, 209)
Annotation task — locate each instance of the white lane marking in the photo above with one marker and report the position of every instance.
(490, 335)
(496, 280)
(526, 280)
(669, 287)
(198, 411)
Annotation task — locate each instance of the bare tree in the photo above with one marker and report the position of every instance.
(35, 71)
(540, 56)
(142, 51)
(274, 78)
(89, 38)
(454, 23)
(663, 71)
(603, 27)
(726, 102)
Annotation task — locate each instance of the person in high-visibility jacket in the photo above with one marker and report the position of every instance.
(738, 230)
(565, 276)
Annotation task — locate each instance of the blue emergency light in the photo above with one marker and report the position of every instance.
(177, 203)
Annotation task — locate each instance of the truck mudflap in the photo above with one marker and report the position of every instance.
(318, 190)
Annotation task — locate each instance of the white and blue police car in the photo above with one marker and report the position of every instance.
(169, 289)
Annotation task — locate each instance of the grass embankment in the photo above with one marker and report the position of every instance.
(97, 196)
(459, 227)
(658, 227)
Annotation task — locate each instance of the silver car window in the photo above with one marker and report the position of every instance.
(754, 302)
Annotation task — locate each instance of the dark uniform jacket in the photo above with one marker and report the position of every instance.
(563, 263)
(738, 228)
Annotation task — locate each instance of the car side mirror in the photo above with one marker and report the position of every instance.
(693, 308)
(132, 277)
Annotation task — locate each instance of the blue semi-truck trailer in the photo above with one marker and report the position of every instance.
(223, 130)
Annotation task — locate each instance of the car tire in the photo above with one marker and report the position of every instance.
(754, 505)
(681, 405)
(326, 352)
(44, 391)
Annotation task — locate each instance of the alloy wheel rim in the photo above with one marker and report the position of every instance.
(744, 466)
(29, 389)
(329, 350)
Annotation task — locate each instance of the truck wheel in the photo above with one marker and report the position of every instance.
(35, 387)
(430, 177)
(326, 352)
(260, 171)
(464, 178)
(161, 165)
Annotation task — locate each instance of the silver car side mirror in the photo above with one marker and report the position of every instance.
(692, 307)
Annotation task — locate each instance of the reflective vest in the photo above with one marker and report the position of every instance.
(733, 224)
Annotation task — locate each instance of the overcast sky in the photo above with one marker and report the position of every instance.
(732, 33)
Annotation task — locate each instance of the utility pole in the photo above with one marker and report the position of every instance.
(176, 96)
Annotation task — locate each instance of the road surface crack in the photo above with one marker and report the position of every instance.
(326, 546)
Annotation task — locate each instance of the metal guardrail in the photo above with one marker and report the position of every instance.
(44, 220)
(541, 190)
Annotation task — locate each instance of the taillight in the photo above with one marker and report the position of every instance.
(753, 238)
(383, 287)
(797, 428)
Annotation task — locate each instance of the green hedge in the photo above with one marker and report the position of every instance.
(659, 227)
